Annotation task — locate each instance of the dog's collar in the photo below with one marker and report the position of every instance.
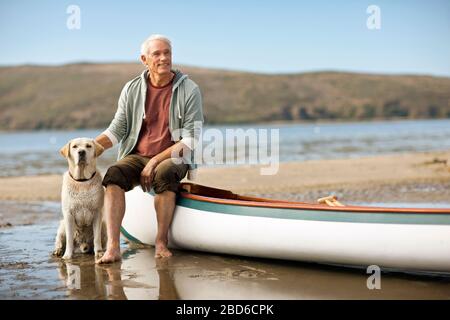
(82, 180)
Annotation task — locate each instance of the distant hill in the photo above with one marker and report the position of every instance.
(85, 95)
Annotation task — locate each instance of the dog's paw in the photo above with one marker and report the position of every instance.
(58, 252)
(99, 254)
(67, 256)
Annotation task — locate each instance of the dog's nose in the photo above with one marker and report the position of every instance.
(82, 152)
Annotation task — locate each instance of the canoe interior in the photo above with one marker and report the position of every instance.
(220, 196)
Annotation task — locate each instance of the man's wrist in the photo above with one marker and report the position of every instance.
(154, 161)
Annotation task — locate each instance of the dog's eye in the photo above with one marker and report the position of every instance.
(88, 146)
(74, 146)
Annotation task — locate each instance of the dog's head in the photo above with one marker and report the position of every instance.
(82, 153)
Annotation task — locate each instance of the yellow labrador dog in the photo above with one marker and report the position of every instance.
(82, 201)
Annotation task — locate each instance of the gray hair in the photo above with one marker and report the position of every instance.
(146, 44)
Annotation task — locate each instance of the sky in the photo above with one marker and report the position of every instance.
(257, 36)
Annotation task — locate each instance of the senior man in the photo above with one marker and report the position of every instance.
(155, 120)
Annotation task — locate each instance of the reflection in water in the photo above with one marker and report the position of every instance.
(167, 289)
(132, 278)
(189, 275)
(28, 272)
(83, 280)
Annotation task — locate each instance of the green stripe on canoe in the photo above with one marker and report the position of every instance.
(129, 236)
(317, 215)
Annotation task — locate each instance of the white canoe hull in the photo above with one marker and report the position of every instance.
(407, 247)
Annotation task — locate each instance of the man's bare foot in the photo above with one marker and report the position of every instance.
(161, 250)
(110, 256)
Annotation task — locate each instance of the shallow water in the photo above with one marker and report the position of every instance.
(36, 152)
(27, 271)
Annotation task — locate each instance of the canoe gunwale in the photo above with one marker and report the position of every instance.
(283, 204)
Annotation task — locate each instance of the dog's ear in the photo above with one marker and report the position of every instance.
(98, 149)
(64, 151)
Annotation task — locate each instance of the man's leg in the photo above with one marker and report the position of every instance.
(119, 178)
(165, 184)
(114, 212)
(164, 206)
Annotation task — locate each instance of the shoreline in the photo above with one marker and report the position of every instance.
(429, 168)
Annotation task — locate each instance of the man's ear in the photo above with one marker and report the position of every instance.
(98, 149)
(64, 151)
(143, 60)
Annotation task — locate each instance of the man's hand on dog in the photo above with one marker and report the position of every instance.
(147, 175)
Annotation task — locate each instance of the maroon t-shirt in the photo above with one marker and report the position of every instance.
(154, 136)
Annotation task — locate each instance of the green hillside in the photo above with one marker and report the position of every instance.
(85, 95)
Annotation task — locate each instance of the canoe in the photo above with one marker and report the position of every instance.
(219, 221)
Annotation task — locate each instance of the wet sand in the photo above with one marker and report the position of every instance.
(29, 210)
(27, 271)
(15, 213)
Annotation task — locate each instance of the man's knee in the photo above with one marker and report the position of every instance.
(114, 188)
(116, 177)
(168, 176)
(165, 170)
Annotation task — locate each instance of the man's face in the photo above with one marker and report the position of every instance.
(158, 58)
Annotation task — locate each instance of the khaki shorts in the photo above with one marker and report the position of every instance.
(126, 173)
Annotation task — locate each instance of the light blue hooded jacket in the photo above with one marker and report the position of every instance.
(185, 115)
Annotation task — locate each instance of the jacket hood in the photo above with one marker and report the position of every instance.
(177, 81)
(179, 78)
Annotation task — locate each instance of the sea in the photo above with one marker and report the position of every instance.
(37, 152)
